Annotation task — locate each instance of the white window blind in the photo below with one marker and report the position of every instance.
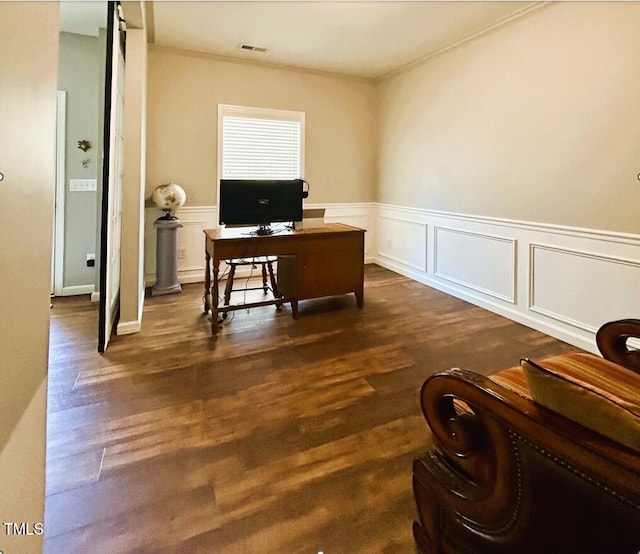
(261, 148)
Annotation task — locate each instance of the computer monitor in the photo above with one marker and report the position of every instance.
(245, 202)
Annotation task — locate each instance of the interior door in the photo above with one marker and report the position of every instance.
(112, 177)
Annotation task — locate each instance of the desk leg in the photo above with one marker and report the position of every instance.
(360, 292)
(207, 283)
(294, 309)
(214, 298)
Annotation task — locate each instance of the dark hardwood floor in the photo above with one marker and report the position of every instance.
(276, 436)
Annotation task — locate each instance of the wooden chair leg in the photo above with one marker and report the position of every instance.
(265, 287)
(274, 284)
(229, 286)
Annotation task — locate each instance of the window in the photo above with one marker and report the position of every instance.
(257, 143)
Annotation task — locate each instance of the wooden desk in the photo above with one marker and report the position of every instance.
(324, 261)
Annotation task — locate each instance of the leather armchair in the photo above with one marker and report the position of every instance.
(503, 474)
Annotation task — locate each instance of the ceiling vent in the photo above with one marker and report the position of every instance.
(252, 48)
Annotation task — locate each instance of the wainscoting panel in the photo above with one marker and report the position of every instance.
(358, 215)
(484, 263)
(403, 242)
(195, 219)
(570, 286)
(560, 280)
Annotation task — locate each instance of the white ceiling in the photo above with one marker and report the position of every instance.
(361, 38)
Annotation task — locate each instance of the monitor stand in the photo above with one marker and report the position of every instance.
(264, 230)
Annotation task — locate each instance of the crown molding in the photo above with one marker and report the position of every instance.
(264, 64)
(494, 26)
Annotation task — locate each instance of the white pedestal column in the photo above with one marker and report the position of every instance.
(166, 256)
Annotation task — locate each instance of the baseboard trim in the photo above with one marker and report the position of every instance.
(184, 277)
(561, 333)
(77, 290)
(133, 326)
(129, 327)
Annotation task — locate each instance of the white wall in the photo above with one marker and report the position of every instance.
(535, 121)
(508, 169)
(79, 75)
(28, 65)
(185, 89)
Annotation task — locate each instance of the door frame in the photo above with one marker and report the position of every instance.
(57, 260)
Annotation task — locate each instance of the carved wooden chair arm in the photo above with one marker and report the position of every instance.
(497, 457)
(472, 457)
(612, 339)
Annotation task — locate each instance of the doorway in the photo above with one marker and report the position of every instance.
(80, 118)
(86, 246)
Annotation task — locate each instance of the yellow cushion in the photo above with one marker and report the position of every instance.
(596, 393)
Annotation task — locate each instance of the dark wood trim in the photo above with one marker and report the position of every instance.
(106, 143)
